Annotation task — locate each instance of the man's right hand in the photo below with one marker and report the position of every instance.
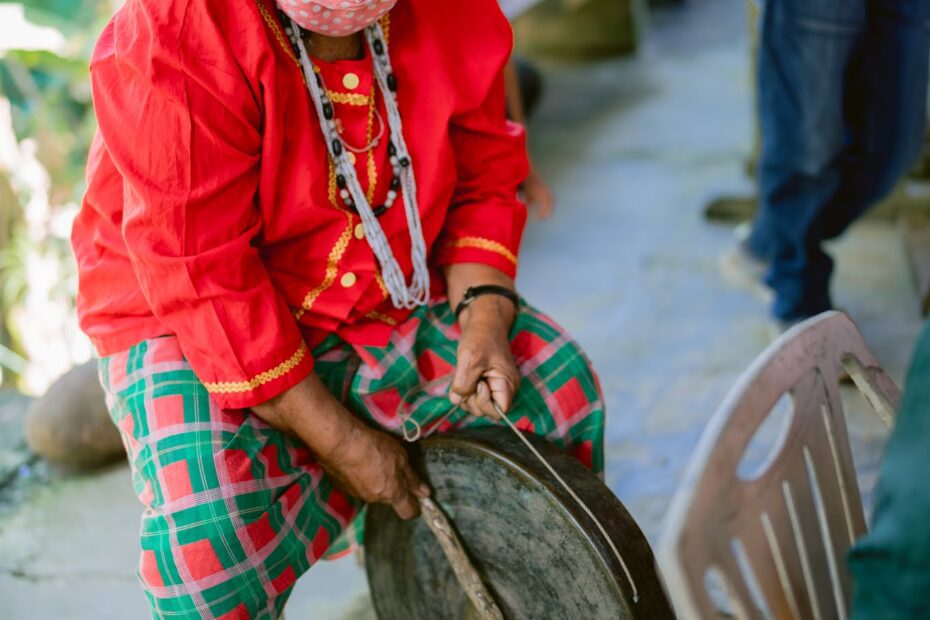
(366, 463)
(373, 466)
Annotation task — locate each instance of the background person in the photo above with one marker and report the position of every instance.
(842, 92)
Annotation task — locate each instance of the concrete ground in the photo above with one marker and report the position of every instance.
(633, 148)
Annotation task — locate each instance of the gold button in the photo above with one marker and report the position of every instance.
(350, 81)
(351, 157)
(349, 280)
(359, 231)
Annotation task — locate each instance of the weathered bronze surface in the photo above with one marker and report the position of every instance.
(537, 551)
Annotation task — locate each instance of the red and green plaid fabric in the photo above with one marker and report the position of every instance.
(235, 511)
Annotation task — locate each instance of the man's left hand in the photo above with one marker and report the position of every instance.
(485, 372)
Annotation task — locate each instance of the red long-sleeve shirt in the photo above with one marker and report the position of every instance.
(211, 214)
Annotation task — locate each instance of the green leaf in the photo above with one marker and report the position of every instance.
(68, 16)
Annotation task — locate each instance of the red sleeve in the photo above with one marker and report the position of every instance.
(183, 132)
(485, 222)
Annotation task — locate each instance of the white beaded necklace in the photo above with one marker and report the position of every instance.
(402, 295)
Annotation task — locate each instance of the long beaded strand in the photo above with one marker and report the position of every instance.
(402, 295)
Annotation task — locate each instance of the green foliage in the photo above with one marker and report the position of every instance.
(68, 16)
(13, 266)
(51, 103)
(50, 92)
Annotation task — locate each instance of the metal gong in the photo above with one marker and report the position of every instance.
(539, 554)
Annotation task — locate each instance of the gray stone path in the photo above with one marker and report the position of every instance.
(633, 148)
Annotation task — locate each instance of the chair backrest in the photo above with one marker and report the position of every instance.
(777, 540)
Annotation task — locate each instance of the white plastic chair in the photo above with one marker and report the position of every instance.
(778, 540)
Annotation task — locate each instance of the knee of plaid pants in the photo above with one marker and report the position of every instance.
(403, 387)
(560, 395)
(234, 511)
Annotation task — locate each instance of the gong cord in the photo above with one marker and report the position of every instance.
(464, 570)
(578, 500)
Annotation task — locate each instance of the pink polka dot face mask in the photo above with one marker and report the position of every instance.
(335, 18)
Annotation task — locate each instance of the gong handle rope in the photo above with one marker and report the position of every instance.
(465, 572)
(578, 500)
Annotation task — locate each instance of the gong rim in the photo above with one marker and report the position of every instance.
(501, 448)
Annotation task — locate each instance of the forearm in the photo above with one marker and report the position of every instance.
(311, 413)
(489, 309)
(514, 96)
(363, 462)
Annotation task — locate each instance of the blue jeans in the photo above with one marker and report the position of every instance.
(842, 106)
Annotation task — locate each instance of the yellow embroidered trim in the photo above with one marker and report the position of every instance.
(356, 99)
(382, 285)
(335, 254)
(386, 27)
(378, 316)
(234, 387)
(338, 250)
(279, 35)
(342, 244)
(484, 244)
(372, 167)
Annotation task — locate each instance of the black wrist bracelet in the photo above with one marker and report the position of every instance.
(475, 292)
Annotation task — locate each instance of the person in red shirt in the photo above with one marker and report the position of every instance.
(299, 241)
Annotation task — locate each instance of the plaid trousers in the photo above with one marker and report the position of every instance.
(235, 511)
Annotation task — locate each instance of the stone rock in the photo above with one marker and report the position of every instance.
(70, 425)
